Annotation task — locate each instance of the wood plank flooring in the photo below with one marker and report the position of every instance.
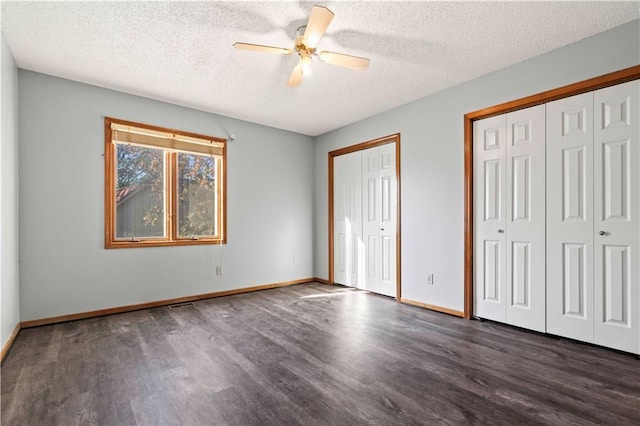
(309, 354)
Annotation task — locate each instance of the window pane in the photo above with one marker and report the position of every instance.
(140, 203)
(196, 195)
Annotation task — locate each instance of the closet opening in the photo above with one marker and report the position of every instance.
(364, 216)
(607, 80)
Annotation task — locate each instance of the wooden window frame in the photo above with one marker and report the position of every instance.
(171, 201)
(600, 82)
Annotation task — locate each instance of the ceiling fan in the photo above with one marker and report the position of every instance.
(307, 38)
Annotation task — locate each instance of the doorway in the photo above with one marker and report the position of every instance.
(364, 216)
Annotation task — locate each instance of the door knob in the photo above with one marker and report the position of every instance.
(602, 233)
(500, 231)
(382, 229)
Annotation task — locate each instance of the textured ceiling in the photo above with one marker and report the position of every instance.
(181, 52)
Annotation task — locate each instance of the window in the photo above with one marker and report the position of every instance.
(163, 187)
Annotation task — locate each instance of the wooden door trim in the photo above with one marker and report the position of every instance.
(600, 82)
(393, 138)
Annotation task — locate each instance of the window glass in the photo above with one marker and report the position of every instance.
(139, 194)
(197, 215)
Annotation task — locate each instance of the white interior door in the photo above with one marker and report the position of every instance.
(365, 219)
(617, 211)
(348, 248)
(489, 147)
(570, 217)
(525, 200)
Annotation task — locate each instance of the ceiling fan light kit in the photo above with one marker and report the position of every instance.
(306, 42)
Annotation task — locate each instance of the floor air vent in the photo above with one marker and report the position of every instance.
(182, 305)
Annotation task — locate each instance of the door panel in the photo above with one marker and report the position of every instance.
(617, 211)
(570, 217)
(521, 189)
(386, 205)
(492, 255)
(574, 283)
(521, 275)
(492, 190)
(525, 257)
(574, 184)
(387, 263)
(616, 283)
(615, 180)
(489, 145)
(372, 199)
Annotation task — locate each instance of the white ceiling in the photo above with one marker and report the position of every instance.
(181, 52)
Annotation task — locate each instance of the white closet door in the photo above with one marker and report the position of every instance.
(525, 243)
(388, 219)
(348, 249)
(617, 211)
(570, 217)
(379, 218)
(489, 147)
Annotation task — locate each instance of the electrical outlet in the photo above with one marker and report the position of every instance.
(296, 260)
(430, 279)
(219, 270)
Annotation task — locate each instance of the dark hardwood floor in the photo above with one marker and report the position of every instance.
(309, 354)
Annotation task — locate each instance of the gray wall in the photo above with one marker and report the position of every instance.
(277, 182)
(432, 157)
(9, 287)
(64, 267)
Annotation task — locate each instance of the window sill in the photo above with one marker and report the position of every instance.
(165, 243)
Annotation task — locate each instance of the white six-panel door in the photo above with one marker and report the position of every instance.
(616, 216)
(489, 148)
(525, 243)
(570, 217)
(347, 233)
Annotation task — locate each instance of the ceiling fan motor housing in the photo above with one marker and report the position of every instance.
(300, 47)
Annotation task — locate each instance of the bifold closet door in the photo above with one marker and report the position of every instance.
(365, 222)
(347, 235)
(509, 196)
(593, 232)
(379, 191)
(570, 217)
(525, 195)
(616, 217)
(489, 169)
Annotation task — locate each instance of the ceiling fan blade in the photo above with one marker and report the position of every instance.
(262, 48)
(346, 61)
(296, 76)
(318, 22)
